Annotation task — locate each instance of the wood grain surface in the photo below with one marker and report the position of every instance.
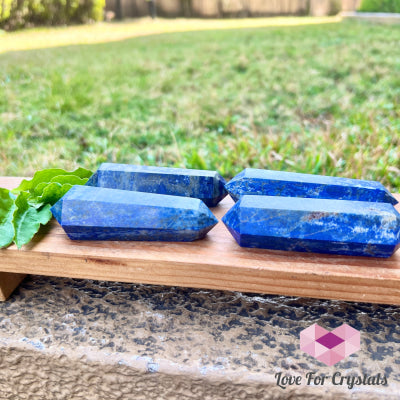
(216, 262)
(8, 283)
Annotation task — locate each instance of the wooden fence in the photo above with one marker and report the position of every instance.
(229, 8)
(350, 5)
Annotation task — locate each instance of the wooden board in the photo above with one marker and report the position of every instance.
(8, 283)
(215, 262)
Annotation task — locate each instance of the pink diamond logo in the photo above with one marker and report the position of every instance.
(330, 347)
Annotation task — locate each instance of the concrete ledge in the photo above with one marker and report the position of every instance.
(77, 339)
(385, 18)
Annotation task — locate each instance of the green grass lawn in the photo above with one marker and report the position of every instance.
(322, 99)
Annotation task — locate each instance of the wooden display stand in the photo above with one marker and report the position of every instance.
(216, 262)
(8, 283)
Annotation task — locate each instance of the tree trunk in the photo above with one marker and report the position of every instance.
(220, 9)
(187, 8)
(152, 8)
(118, 9)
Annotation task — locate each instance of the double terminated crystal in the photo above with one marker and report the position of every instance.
(277, 183)
(129, 202)
(205, 185)
(354, 228)
(93, 213)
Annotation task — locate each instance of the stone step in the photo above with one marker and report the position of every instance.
(80, 339)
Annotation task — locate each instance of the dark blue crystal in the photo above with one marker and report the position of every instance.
(289, 184)
(208, 186)
(315, 225)
(92, 213)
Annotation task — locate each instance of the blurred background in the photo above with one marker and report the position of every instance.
(296, 85)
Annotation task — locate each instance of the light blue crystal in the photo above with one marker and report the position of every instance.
(315, 225)
(92, 213)
(205, 185)
(278, 183)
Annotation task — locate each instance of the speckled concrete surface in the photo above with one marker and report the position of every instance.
(76, 339)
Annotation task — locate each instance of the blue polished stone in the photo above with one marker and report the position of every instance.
(92, 213)
(354, 228)
(208, 186)
(278, 183)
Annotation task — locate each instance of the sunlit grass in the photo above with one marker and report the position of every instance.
(107, 32)
(320, 99)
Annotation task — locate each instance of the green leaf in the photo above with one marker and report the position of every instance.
(40, 176)
(22, 215)
(72, 179)
(51, 194)
(47, 175)
(27, 219)
(38, 190)
(7, 208)
(81, 173)
(44, 214)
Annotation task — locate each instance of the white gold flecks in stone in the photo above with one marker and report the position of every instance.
(93, 213)
(208, 186)
(355, 228)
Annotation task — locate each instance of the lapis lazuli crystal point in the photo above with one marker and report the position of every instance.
(57, 210)
(316, 225)
(92, 181)
(264, 182)
(93, 213)
(208, 186)
(219, 190)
